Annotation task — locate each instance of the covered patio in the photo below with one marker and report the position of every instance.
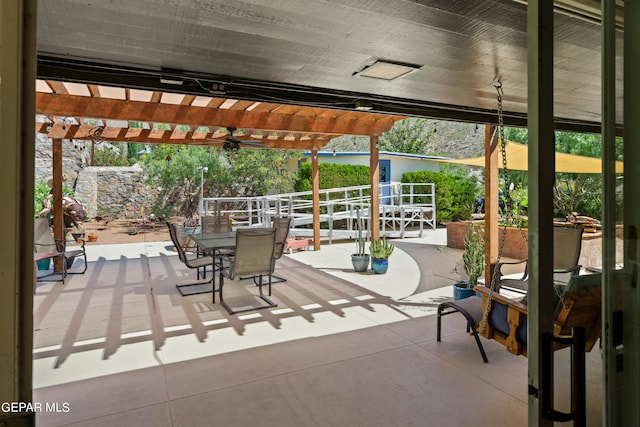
(120, 346)
(436, 59)
(98, 113)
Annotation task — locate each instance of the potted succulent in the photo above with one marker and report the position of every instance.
(472, 262)
(380, 250)
(360, 259)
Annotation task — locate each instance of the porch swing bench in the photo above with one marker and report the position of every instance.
(504, 320)
(578, 303)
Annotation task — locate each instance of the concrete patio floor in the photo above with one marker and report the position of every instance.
(120, 346)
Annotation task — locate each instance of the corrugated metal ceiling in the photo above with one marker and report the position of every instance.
(462, 46)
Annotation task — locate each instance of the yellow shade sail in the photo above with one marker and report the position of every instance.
(518, 159)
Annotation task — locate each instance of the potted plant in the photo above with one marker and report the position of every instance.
(360, 259)
(380, 250)
(472, 262)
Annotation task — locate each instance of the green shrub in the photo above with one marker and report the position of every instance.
(40, 192)
(332, 176)
(454, 194)
(112, 155)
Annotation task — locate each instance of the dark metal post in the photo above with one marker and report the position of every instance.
(541, 181)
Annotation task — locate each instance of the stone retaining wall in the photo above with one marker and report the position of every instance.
(73, 159)
(117, 191)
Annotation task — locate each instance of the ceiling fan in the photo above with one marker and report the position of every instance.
(233, 144)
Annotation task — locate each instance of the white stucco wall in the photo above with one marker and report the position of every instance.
(401, 165)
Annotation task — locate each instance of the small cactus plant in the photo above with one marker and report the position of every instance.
(360, 242)
(380, 248)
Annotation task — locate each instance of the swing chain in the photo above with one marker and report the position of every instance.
(503, 149)
(510, 218)
(508, 208)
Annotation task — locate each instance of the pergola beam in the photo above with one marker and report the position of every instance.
(157, 136)
(338, 123)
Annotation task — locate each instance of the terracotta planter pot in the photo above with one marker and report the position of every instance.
(514, 244)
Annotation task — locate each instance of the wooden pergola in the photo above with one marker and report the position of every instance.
(77, 111)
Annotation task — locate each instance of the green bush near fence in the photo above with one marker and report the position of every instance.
(454, 194)
(332, 176)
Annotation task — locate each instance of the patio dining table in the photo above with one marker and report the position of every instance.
(214, 242)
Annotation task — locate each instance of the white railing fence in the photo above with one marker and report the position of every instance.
(403, 207)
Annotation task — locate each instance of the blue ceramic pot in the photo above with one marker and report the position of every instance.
(44, 264)
(460, 290)
(379, 265)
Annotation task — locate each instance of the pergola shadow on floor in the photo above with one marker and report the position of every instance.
(120, 346)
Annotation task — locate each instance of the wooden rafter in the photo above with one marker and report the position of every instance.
(276, 125)
(283, 140)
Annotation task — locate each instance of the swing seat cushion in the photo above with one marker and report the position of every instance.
(499, 321)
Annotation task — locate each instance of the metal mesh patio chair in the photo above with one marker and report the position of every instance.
(70, 249)
(567, 243)
(282, 225)
(216, 223)
(191, 262)
(253, 258)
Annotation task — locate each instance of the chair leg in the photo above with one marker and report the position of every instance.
(471, 324)
(278, 279)
(62, 274)
(201, 283)
(84, 257)
(261, 295)
(220, 286)
(439, 322)
(187, 285)
(222, 302)
(479, 344)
